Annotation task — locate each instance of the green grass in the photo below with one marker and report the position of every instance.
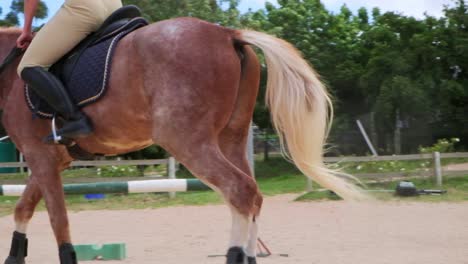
(97, 172)
(318, 196)
(272, 186)
(394, 166)
(275, 176)
(457, 192)
(277, 166)
(456, 187)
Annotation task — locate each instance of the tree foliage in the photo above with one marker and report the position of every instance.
(401, 74)
(16, 9)
(223, 12)
(411, 74)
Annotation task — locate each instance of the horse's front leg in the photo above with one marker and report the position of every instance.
(50, 184)
(45, 182)
(23, 214)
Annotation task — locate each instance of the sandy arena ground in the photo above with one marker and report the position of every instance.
(310, 233)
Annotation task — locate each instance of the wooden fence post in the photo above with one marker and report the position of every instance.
(310, 186)
(250, 150)
(171, 171)
(437, 169)
(23, 169)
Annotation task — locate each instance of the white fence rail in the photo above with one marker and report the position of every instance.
(395, 157)
(436, 172)
(93, 163)
(327, 160)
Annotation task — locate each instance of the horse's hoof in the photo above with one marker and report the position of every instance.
(235, 255)
(67, 254)
(13, 260)
(251, 260)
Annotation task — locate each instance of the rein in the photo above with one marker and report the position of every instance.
(14, 53)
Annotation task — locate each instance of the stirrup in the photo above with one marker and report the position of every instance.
(56, 138)
(70, 130)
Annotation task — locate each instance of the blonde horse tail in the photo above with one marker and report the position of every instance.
(301, 111)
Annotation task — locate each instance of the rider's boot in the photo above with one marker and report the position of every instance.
(50, 88)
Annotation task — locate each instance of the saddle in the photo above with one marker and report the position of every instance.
(85, 70)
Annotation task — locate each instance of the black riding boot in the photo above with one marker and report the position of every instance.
(18, 250)
(50, 88)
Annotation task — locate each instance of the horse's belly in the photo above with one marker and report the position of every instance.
(117, 139)
(118, 128)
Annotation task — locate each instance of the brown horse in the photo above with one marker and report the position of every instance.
(190, 87)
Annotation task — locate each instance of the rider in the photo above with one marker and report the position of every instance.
(71, 24)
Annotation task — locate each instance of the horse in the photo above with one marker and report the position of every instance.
(190, 87)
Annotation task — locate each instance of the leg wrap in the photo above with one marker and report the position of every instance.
(235, 255)
(251, 260)
(67, 254)
(18, 250)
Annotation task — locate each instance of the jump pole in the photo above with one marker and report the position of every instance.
(147, 186)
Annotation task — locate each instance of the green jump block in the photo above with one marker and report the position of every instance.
(101, 252)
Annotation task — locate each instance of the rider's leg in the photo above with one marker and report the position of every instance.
(49, 87)
(71, 24)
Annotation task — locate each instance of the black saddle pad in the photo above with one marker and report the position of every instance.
(88, 80)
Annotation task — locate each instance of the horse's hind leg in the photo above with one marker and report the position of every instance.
(205, 160)
(23, 214)
(233, 142)
(193, 103)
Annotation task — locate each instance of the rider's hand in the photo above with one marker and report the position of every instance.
(24, 39)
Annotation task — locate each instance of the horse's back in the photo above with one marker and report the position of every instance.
(191, 45)
(187, 30)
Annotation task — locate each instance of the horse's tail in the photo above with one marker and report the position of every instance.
(301, 110)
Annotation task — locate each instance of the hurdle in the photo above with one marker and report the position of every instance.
(146, 186)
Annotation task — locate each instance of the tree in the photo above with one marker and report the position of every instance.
(452, 36)
(210, 10)
(16, 8)
(407, 73)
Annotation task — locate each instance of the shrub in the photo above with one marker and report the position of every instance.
(118, 171)
(443, 146)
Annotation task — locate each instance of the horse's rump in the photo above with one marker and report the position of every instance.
(180, 69)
